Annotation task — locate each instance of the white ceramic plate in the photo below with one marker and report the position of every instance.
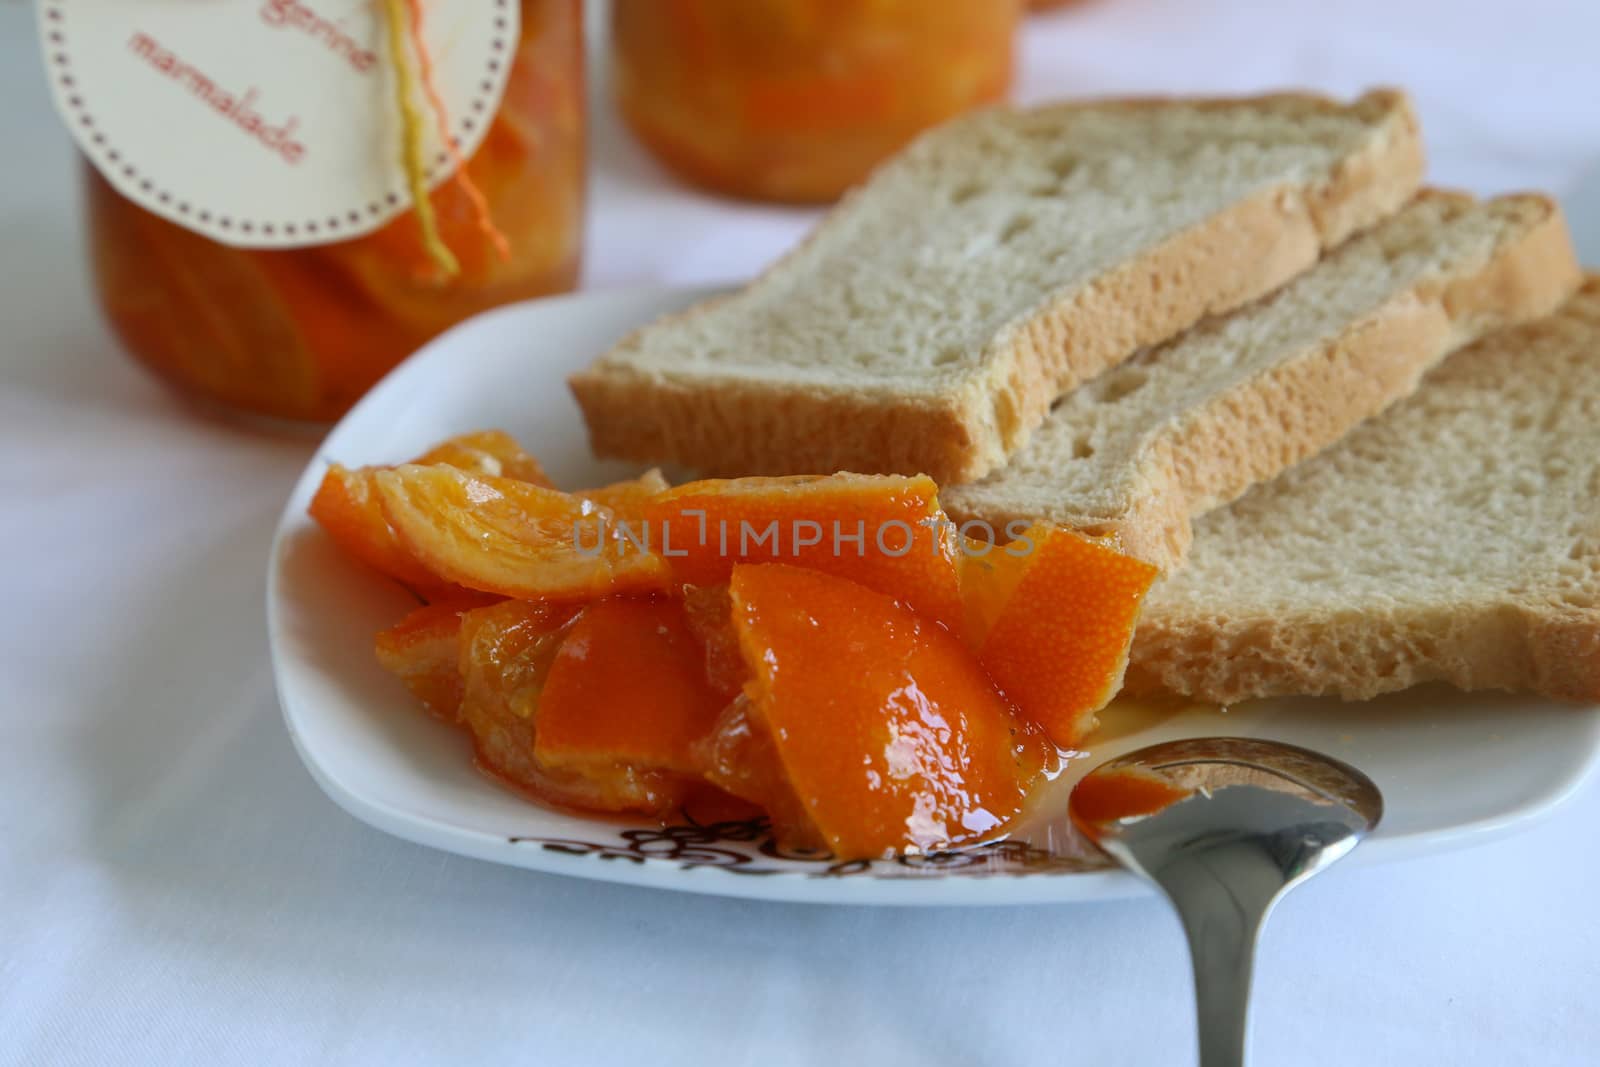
(1453, 769)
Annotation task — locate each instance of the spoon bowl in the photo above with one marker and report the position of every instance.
(1224, 826)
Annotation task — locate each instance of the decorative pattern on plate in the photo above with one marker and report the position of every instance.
(746, 846)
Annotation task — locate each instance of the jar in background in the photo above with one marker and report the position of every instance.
(300, 334)
(797, 100)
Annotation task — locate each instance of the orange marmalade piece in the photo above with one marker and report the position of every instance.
(503, 536)
(886, 727)
(626, 501)
(709, 612)
(346, 503)
(1052, 615)
(739, 757)
(492, 452)
(507, 652)
(347, 508)
(627, 687)
(885, 532)
(423, 651)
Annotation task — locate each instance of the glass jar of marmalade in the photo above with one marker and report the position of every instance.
(300, 334)
(796, 100)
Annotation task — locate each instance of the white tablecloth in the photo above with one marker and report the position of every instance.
(175, 890)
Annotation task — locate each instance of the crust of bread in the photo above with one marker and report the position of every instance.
(1513, 647)
(727, 425)
(1540, 636)
(1214, 455)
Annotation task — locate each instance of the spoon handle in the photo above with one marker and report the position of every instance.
(1222, 897)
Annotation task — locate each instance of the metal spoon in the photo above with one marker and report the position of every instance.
(1224, 826)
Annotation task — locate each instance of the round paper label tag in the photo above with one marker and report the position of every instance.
(271, 123)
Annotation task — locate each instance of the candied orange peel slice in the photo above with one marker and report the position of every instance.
(627, 686)
(708, 609)
(739, 757)
(888, 730)
(507, 652)
(503, 536)
(626, 500)
(492, 452)
(883, 531)
(346, 503)
(347, 508)
(1052, 616)
(423, 651)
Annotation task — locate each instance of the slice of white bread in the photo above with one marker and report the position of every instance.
(931, 319)
(1187, 427)
(1455, 538)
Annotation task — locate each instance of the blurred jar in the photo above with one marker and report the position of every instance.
(301, 333)
(797, 100)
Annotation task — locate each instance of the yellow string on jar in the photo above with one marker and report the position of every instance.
(405, 20)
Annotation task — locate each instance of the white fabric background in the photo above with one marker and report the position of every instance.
(175, 890)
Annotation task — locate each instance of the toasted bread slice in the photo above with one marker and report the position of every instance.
(1187, 427)
(933, 317)
(1455, 538)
